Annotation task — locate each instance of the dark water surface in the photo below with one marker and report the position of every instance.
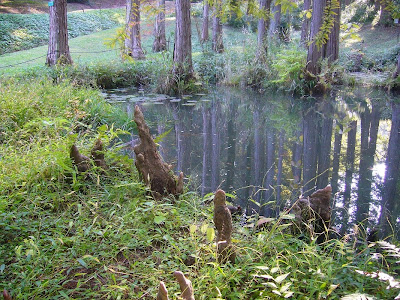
(270, 149)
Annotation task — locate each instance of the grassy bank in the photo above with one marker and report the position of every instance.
(20, 32)
(68, 235)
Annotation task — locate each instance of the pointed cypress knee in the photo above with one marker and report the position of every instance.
(152, 168)
(223, 224)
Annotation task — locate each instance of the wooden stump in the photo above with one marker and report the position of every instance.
(314, 213)
(153, 170)
(187, 292)
(223, 224)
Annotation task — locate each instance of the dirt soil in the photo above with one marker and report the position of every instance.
(41, 6)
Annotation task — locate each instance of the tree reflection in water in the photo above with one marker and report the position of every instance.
(268, 150)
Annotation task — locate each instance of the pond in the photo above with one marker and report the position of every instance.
(267, 150)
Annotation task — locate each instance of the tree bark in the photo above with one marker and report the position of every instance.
(160, 41)
(385, 18)
(275, 20)
(217, 41)
(263, 25)
(58, 50)
(183, 40)
(315, 53)
(305, 27)
(332, 47)
(204, 28)
(387, 219)
(133, 45)
(397, 72)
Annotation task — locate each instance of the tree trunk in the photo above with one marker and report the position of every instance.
(231, 155)
(397, 72)
(206, 184)
(160, 41)
(385, 18)
(297, 154)
(336, 158)
(309, 152)
(305, 27)
(247, 173)
(183, 40)
(332, 47)
(204, 28)
(133, 45)
(325, 140)
(58, 50)
(270, 169)
(280, 171)
(217, 42)
(315, 52)
(389, 198)
(183, 142)
(275, 20)
(257, 153)
(350, 155)
(369, 135)
(263, 24)
(215, 154)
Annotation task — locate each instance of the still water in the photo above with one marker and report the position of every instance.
(270, 149)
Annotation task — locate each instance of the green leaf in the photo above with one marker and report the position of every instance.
(210, 234)
(204, 228)
(192, 228)
(162, 136)
(270, 284)
(159, 219)
(288, 294)
(288, 216)
(281, 278)
(274, 270)
(308, 15)
(82, 262)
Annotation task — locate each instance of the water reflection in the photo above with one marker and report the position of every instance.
(270, 149)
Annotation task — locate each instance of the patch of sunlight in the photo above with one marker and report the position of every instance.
(22, 34)
(358, 296)
(120, 18)
(170, 19)
(393, 283)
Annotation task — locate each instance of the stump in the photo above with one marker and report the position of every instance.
(83, 163)
(185, 285)
(152, 169)
(223, 224)
(314, 213)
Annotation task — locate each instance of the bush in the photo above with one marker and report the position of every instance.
(20, 32)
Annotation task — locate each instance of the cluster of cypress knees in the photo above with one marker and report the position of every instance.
(311, 213)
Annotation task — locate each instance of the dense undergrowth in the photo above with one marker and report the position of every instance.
(19, 32)
(98, 235)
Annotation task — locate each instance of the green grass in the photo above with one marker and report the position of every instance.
(19, 32)
(99, 235)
